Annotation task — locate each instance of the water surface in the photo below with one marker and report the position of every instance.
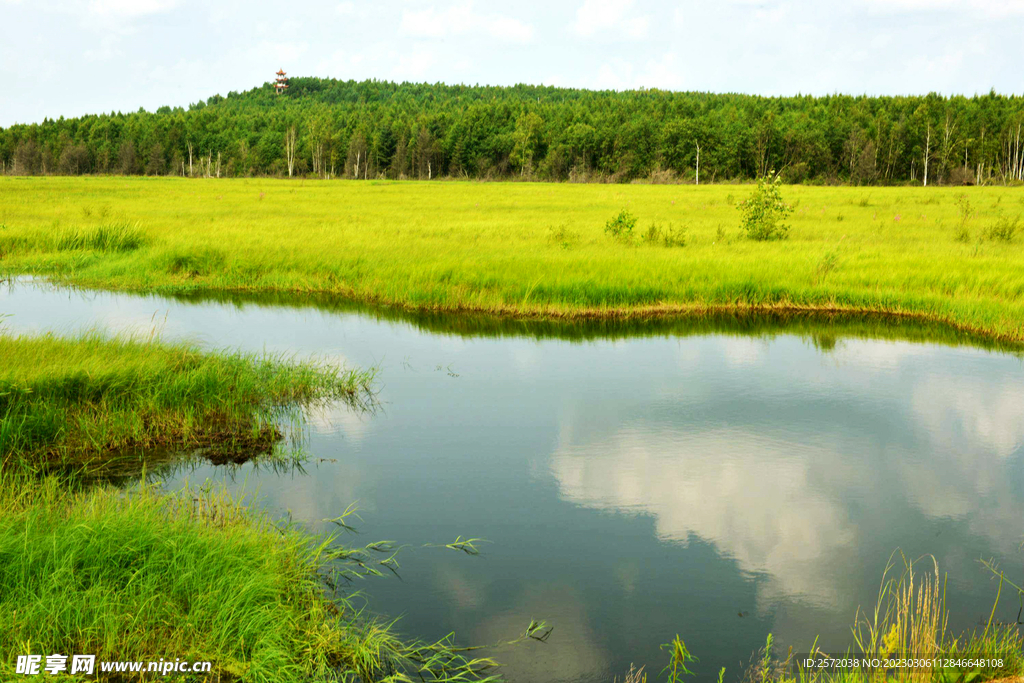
(721, 479)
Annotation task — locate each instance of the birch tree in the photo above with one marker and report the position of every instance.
(289, 148)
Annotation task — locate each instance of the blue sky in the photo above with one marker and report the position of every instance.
(82, 56)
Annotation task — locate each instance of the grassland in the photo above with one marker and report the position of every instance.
(527, 249)
(78, 401)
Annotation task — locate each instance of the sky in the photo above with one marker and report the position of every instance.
(72, 57)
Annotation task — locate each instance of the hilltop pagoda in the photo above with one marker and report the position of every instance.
(281, 82)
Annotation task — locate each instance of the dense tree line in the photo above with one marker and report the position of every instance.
(375, 129)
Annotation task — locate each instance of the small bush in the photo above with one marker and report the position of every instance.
(1003, 229)
(764, 210)
(621, 227)
(111, 237)
(720, 234)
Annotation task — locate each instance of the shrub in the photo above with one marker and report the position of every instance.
(764, 210)
(621, 227)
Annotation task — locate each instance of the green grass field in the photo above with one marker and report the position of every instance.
(526, 249)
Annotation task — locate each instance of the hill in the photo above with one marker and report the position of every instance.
(375, 129)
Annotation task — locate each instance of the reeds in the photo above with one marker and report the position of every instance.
(904, 639)
(908, 622)
(908, 629)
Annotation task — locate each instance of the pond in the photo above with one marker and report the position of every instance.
(721, 479)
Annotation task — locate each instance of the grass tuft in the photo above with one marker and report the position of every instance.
(119, 236)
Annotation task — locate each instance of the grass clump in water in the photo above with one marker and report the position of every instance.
(140, 575)
(908, 625)
(78, 399)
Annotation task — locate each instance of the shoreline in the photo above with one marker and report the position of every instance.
(553, 312)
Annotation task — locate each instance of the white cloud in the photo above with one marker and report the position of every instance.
(462, 19)
(107, 49)
(610, 17)
(413, 66)
(987, 8)
(130, 8)
(662, 72)
(783, 528)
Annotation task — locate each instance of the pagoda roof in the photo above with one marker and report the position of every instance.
(280, 72)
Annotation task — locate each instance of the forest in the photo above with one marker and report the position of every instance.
(376, 129)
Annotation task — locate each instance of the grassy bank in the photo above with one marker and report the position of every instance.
(84, 400)
(528, 249)
(825, 330)
(139, 575)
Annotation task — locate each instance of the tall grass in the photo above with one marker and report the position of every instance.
(80, 399)
(489, 247)
(114, 237)
(197, 575)
(908, 622)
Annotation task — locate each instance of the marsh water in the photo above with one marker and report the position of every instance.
(721, 480)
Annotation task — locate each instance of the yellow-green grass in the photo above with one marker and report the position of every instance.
(195, 575)
(525, 249)
(75, 401)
